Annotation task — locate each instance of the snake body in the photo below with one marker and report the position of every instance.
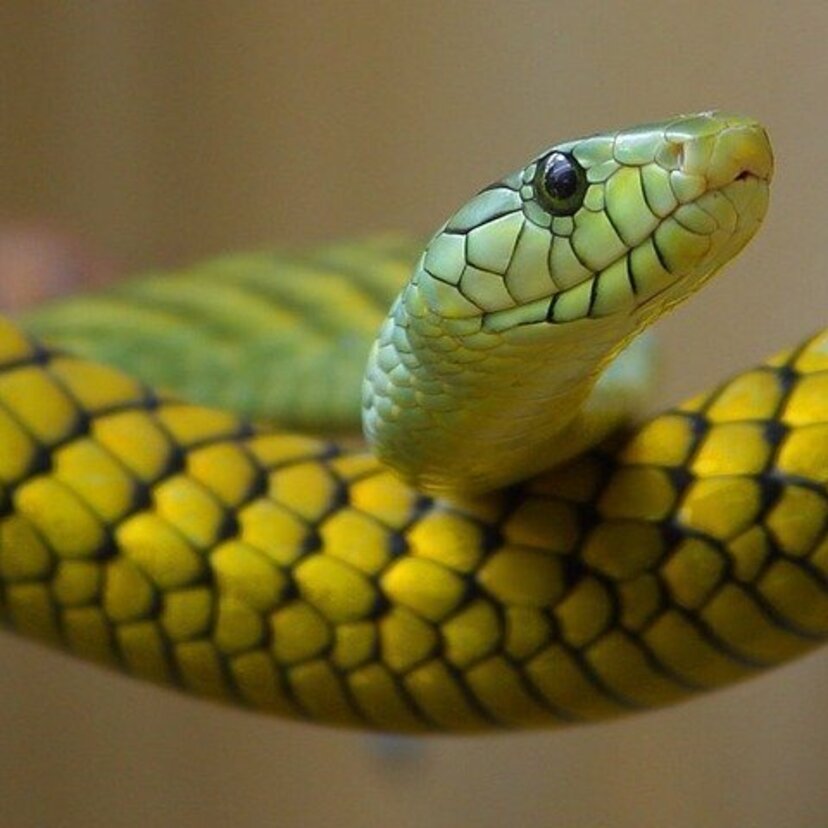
(290, 574)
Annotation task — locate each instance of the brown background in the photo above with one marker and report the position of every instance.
(165, 131)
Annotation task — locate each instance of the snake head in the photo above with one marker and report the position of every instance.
(486, 369)
(624, 222)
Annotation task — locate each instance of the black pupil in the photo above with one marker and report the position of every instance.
(560, 178)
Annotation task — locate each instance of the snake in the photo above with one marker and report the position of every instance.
(513, 551)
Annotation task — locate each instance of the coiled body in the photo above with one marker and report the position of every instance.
(286, 574)
(290, 574)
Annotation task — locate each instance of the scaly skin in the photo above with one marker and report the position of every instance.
(250, 332)
(289, 575)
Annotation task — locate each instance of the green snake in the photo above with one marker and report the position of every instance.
(512, 554)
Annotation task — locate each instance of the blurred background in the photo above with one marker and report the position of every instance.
(137, 134)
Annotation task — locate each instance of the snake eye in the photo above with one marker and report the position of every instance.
(560, 184)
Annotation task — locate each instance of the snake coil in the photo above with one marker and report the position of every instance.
(289, 574)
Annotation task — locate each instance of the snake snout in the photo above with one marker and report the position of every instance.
(733, 148)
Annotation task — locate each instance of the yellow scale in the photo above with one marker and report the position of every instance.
(271, 570)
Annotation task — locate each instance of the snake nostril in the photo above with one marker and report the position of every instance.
(744, 175)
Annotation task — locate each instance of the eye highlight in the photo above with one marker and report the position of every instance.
(560, 184)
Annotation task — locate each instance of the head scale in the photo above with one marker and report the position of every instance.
(605, 224)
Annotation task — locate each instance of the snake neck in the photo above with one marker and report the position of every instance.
(517, 396)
